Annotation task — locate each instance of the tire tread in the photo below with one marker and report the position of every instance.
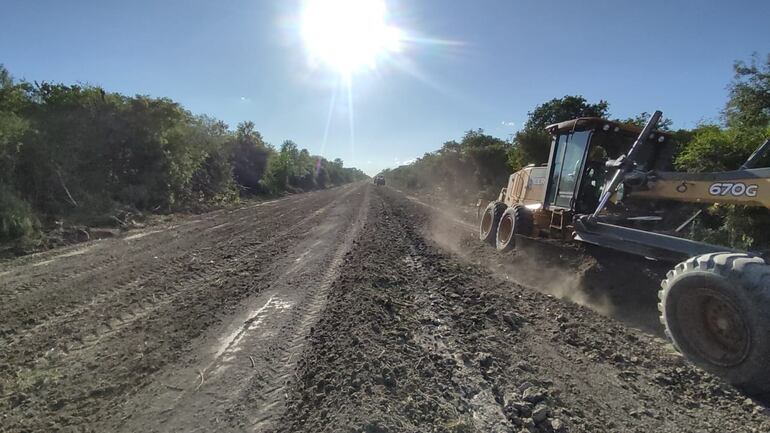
(750, 274)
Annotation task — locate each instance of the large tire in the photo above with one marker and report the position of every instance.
(516, 220)
(489, 220)
(716, 309)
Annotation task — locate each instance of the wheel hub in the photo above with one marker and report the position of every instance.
(724, 337)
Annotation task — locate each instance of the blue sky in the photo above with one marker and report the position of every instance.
(245, 60)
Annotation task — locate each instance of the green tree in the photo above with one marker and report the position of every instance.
(531, 146)
(749, 104)
(17, 219)
(14, 102)
(641, 119)
(713, 148)
(304, 176)
(532, 143)
(284, 168)
(213, 181)
(488, 155)
(718, 148)
(321, 173)
(336, 176)
(80, 154)
(249, 157)
(566, 108)
(289, 157)
(459, 170)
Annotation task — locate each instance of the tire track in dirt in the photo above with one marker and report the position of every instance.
(253, 359)
(145, 334)
(120, 255)
(198, 280)
(270, 393)
(130, 251)
(21, 268)
(387, 354)
(416, 340)
(103, 306)
(402, 336)
(437, 337)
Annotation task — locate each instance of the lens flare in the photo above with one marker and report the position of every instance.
(348, 34)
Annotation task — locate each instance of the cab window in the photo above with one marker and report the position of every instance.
(567, 168)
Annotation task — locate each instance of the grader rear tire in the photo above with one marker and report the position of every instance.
(489, 221)
(716, 310)
(516, 220)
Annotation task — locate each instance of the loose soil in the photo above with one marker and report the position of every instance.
(353, 309)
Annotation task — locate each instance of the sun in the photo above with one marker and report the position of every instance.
(348, 34)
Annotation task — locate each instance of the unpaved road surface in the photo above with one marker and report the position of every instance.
(347, 310)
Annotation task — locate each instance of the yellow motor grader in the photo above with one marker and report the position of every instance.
(611, 185)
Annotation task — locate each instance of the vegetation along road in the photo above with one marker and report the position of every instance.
(347, 309)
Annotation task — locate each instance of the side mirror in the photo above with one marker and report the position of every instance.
(616, 163)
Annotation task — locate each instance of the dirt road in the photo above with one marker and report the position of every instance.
(353, 309)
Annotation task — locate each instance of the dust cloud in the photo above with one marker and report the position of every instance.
(525, 266)
(619, 287)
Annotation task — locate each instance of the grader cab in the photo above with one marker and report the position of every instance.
(612, 185)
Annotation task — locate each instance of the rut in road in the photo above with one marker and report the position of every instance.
(416, 339)
(112, 321)
(240, 379)
(79, 344)
(129, 265)
(330, 311)
(395, 351)
(93, 278)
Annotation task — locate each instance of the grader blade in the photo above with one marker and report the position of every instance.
(642, 243)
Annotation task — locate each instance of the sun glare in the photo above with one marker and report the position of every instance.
(348, 34)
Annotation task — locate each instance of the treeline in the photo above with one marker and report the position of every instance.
(475, 166)
(76, 154)
(479, 164)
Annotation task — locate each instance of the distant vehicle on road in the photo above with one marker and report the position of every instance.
(379, 180)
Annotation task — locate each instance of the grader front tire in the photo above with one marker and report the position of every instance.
(716, 310)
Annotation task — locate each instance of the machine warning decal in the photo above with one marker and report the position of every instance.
(735, 189)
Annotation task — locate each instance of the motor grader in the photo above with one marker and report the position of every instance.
(612, 185)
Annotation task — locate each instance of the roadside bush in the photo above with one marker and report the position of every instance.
(17, 221)
(714, 148)
(80, 155)
(458, 171)
(249, 156)
(213, 182)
